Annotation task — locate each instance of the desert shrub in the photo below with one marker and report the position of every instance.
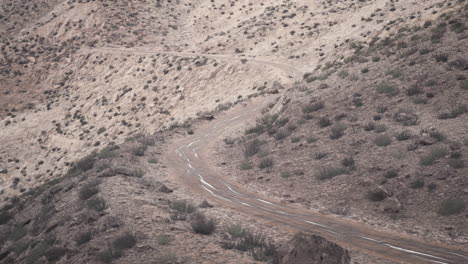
(456, 163)
(313, 107)
(324, 122)
(266, 163)
(380, 128)
(418, 183)
(376, 195)
(464, 85)
(438, 32)
(84, 237)
(152, 161)
(98, 204)
(457, 26)
(265, 123)
(4, 217)
(55, 253)
(369, 126)
(17, 233)
(451, 206)
(330, 172)
(291, 127)
(124, 241)
(403, 135)
(454, 112)
(383, 140)
(246, 165)
(137, 173)
(337, 130)
(250, 148)
(281, 134)
(183, 207)
(434, 154)
(236, 230)
(101, 130)
(164, 240)
(311, 139)
(37, 252)
(441, 57)
(392, 173)
(320, 155)
(166, 258)
(139, 150)
(437, 135)
(343, 74)
(295, 139)
(202, 225)
(348, 162)
(459, 64)
(406, 117)
(387, 88)
(414, 90)
(88, 190)
(109, 254)
(285, 174)
(280, 122)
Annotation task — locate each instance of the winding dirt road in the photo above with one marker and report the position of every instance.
(187, 159)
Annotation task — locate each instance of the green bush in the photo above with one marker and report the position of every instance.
(37, 252)
(164, 240)
(369, 126)
(386, 88)
(109, 254)
(280, 122)
(83, 238)
(4, 217)
(202, 225)
(266, 163)
(464, 85)
(434, 154)
(88, 190)
(392, 173)
(456, 163)
(17, 233)
(419, 183)
(124, 241)
(183, 207)
(313, 107)
(380, 128)
(250, 148)
(452, 206)
(246, 165)
(98, 204)
(324, 122)
(383, 140)
(403, 135)
(139, 150)
(311, 139)
(295, 139)
(281, 134)
(454, 112)
(348, 162)
(330, 172)
(236, 230)
(337, 130)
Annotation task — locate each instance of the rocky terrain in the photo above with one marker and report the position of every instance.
(369, 124)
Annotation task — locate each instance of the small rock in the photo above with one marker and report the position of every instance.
(3, 170)
(390, 205)
(205, 204)
(165, 189)
(311, 249)
(412, 146)
(427, 141)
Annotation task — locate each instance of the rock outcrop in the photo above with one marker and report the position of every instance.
(311, 249)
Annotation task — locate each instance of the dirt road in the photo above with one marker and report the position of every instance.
(187, 160)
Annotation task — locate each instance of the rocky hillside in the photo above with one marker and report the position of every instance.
(371, 124)
(378, 136)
